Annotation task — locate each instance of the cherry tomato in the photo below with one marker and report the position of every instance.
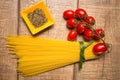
(100, 48)
(81, 27)
(80, 13)
(99, 33)
(90, 20)
(68, 14)
(71, 23)
(88, 34)
(72, 35)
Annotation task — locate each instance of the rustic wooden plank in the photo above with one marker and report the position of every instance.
(106, 13)
(58, 31)
(23, 30)
(8, 26)
(112, 60)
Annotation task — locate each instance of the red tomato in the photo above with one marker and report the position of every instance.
(90, 20)
(88, 34)
(99, 33)
(72, 35)
(68, 14)
(71, 23)
(80, 13)
(81, 27)
(100, 48)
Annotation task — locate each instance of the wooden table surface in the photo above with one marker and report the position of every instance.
(107, 15)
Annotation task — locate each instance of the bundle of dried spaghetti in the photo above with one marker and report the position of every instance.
(38, 55)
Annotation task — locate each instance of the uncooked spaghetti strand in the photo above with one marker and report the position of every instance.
(42, 48)
(43, 65)
(27, 58)
(38, 71)
(44, 68)
(37, 41)
(40, 62)
(45, 54)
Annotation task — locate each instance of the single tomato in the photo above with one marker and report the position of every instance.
(67, 14)
(90, 20)
(99, 33)
(100, 48)
(81, 27)
(72, 35)
(80, 13)
(71, 23)
(88, 34)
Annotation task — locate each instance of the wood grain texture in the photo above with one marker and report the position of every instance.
(23, 30)
(106, 13)
(8, 25)
(58, 31)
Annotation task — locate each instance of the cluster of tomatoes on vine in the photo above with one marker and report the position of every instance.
(80, 23)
